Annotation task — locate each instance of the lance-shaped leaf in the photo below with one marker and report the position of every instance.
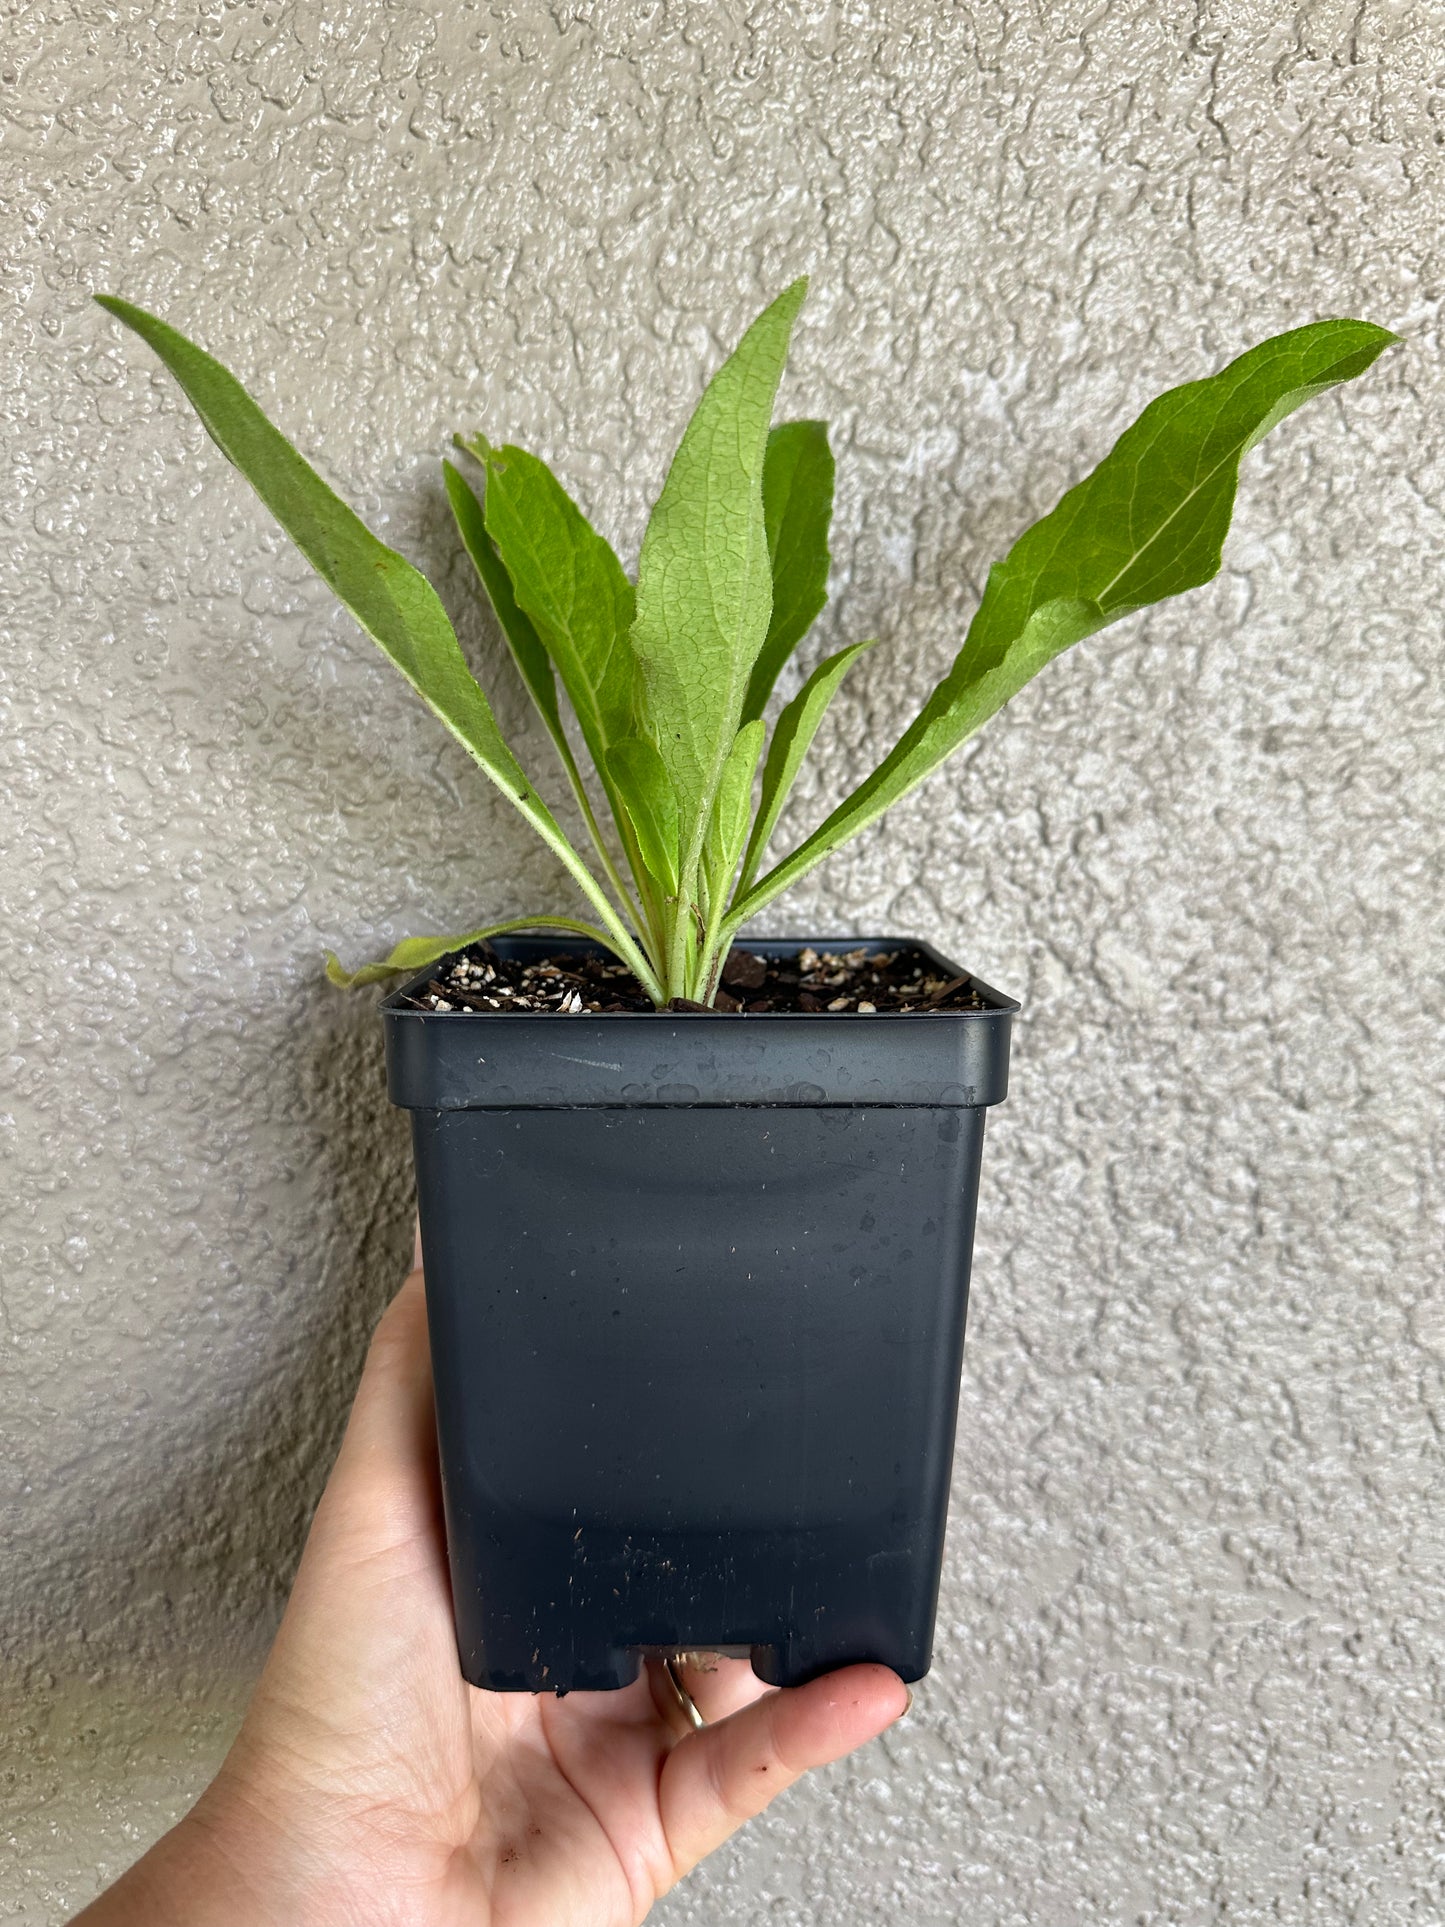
(1148, 523)
(728, 825)
(640, 779)
(533, 663)
(704, 582)
(797, 509)
(392, 601)
(792, 738)
(530, 654)
(415, 953)
(571, 586)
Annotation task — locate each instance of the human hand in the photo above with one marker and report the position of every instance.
(370, 1783)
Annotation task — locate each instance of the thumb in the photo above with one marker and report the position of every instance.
(726, 1773)
(383, 1486)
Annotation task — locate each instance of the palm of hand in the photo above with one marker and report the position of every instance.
(407, 1797)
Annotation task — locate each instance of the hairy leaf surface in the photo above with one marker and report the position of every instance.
(669, 685)
(1148, 523)
(797, 511)
(639, 777)
(704, 585)
(728, 826)
(533, 663)
(792, 739)
(392, 601)
(571, 586)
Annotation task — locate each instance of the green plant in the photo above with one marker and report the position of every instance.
(668, 682)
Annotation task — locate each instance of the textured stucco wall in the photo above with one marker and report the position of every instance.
(1192, 1645)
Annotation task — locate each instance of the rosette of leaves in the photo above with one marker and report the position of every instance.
(655, 694)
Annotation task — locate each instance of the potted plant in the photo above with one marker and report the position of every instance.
(697, 1218)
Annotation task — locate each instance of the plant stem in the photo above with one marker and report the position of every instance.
(625, 897)
(619, 938)
(715, 946)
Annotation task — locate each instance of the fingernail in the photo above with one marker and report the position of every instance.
(907, 1702)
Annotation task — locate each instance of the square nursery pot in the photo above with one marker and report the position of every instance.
(696, 1285)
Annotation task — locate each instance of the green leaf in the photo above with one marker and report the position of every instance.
(1148, 523)
(792, 738)
(392, 601)
(567, 580)
(530, 654)
(415, 953)
(797, 509)
(728, 826)
(533, 663)
(704, 583)
(640, 779)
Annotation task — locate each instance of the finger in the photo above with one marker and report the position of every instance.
(370, 1602)
(719, 1777)
(385, 1478)
(719, 1687)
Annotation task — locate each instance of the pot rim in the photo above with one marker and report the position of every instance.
(622, 1060)
(524, 946)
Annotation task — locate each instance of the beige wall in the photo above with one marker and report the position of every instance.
(1191, 1646)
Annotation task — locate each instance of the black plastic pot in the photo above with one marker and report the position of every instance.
(696, 1286)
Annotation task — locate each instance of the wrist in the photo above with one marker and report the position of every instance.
(225, 1864)
(184, 1880)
